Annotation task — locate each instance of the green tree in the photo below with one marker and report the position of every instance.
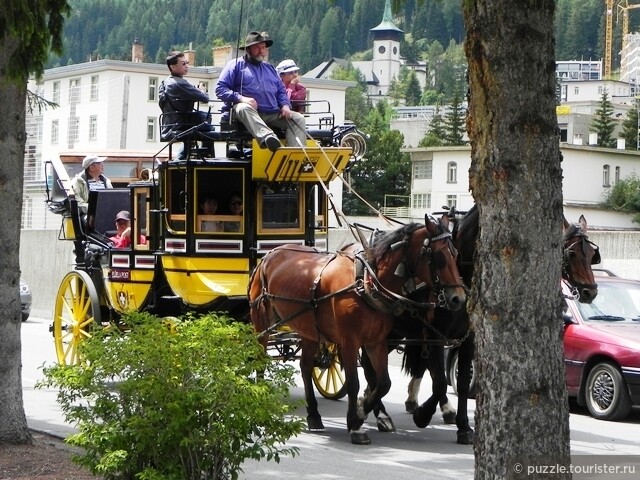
(603, 124)
(29, 30)
(413, 92)
(454, 122)
(396, 91)
(215, 412)
(625, 196)
(630, 131)
(384, 170)
(436, 135)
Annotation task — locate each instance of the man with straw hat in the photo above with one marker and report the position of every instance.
(252, 89)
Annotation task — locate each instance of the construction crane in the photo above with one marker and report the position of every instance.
(608, 39)
(624, 9)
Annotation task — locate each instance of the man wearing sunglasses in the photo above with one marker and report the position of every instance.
(176, 99)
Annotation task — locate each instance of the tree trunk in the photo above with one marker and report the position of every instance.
(13, 423)
(515, 177)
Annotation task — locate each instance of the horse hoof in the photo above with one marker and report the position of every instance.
(410, 406)
(466, 438)
(449, 417)
(385, 425)
(421, 420)
(359, 437)
(315, 424)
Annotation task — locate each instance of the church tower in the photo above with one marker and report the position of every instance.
(386, 52)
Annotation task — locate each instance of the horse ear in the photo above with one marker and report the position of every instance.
(583, 223)
(564, 222)
(364, 242)
(444, 221)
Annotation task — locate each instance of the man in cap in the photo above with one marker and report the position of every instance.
(89, 179)
(297, 92)
(253, 89)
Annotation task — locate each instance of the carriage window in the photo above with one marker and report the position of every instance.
(281, 207)
(175, 198)
(141, 208)
(219, 200)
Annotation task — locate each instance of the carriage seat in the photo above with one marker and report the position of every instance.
(178, 126)
(104, 205)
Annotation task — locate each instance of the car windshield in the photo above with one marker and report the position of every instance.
(615, 302)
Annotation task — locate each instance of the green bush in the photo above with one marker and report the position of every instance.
(176, 401)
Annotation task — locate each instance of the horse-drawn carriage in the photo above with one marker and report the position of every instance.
(175, 263)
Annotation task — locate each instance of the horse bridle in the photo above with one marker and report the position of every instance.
(583, 241)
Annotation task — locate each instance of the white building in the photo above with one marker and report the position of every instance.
(440, 178)
(110, 108)
(571, 70)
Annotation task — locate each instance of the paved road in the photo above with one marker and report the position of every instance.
(409, 453)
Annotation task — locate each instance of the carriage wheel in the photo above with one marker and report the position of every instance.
(328, 374)
(77, 309)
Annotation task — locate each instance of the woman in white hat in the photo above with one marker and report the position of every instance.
(297, 92)
(91, 178)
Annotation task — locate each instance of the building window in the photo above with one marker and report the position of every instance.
(72, 135)
(422, 169)
(74, 90)
(421, 201)
(576, 90)
(56, 93)
(452, 172)
(93, 127)
(153, 89)
(452, 201)
(94, 88)
(151, 129)
(55, 131)
(606, 180)
(616, 176)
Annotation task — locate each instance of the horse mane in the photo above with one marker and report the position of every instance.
(383, 242)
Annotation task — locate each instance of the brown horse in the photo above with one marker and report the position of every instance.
(578, 257)
(579, 254)
(350, 298)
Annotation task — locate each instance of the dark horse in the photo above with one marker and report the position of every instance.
(350, 298)
(451, 328)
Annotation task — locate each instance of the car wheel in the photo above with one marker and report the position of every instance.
(606, 393)
(25, 317)
(453, 375)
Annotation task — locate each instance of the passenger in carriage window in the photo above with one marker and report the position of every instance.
(253, 89)
(235, 208)
(122, 238)
(209, 206)
(297, 92)
(91, 178)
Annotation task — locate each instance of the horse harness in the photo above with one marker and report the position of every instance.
(368, 286)
(582, 241)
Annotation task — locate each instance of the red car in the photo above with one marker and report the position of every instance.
(602, 348)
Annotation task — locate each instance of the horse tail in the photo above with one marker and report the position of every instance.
(414, 361)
